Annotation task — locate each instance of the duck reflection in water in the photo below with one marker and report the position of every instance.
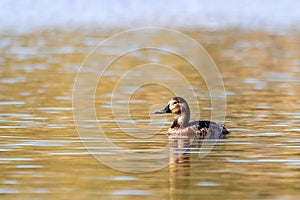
(184, 134)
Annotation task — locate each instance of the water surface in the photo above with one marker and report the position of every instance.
(43, 157)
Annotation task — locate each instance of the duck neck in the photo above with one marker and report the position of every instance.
(183, 118)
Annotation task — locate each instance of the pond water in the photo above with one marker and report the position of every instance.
(43, 157)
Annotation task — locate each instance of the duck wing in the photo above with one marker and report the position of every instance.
(207, 129)
(200, 129)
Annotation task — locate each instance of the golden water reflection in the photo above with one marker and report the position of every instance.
(42, 156)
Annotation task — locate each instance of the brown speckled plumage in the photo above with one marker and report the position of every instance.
(183, 128)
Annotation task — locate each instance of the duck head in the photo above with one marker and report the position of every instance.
(179, 107)
(172, 107)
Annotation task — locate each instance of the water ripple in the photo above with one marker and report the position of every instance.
(132, 192)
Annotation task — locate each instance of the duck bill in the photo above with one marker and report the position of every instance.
(164, 111)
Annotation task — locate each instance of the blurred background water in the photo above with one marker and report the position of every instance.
(215, 14)
(256, 46)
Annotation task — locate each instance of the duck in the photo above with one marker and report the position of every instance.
(182, 127)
